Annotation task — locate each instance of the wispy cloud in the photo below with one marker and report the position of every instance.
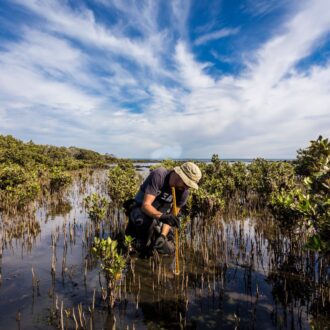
(180, 10)
(81, 24)
(263, 7)
(215, 35)
(45, 71)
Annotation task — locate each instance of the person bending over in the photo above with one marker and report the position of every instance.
(150, 219)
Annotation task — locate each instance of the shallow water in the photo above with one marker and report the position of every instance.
(235, 273)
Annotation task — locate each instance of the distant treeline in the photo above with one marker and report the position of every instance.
(14, 151)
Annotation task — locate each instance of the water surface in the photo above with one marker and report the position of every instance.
(236, 272)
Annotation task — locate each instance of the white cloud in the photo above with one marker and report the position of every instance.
(81, 24)
(32, 89)
(181, 10)
(279, 55)
(190, 72)
(269, 110)
(264, 7)
(222, 33)
(32, 72)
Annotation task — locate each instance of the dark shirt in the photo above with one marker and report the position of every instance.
(157, 184)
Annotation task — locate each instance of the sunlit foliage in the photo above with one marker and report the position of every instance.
(297, 193)
(31, 154)
(18, 186)
(310, 201)
(28, 170)
(123, 182)
(96, 207)
(59, 179)
(112, 265)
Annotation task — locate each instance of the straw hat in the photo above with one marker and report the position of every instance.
(189, 173)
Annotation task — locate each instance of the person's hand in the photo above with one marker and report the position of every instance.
(160, 241)
(170, 220)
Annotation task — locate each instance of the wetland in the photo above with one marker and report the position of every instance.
(236, 272)
(248, 260)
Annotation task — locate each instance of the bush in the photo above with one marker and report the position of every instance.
(266, 178)
(27, 166)
(59, 180)
(310, 201)
(18, 186)
(123, 182)
(112, 265)
(96, 207)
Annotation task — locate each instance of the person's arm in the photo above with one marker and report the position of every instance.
(147, 207)
(151, 190)
(153, 212)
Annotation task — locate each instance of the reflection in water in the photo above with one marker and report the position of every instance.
(19, 228)
(236, 273)
(58, 208)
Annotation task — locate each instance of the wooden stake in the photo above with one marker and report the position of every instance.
(176, 233)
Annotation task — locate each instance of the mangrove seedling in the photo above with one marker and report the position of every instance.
(112, 265)
(96, 207)
(128, 243)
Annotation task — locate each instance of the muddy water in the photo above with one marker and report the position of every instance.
(239, 273)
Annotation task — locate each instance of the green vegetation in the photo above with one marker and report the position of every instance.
(309, 201)
(112, 265)
(96, 207)
(123, 182)
(58, 180)
(243, 185)
(27, 170)
(18, 186)
(30, 155)
(289, 204)
(250, 185)
(297, 193)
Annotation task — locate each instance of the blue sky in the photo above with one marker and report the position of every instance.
(167, 78)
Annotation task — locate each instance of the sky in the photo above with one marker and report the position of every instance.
(167, 78)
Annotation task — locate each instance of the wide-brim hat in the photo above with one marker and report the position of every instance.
(189, 173)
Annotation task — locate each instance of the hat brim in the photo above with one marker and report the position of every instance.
(184, 178)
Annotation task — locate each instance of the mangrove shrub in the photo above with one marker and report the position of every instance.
(123, 182)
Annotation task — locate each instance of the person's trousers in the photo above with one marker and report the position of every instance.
(145, 230)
